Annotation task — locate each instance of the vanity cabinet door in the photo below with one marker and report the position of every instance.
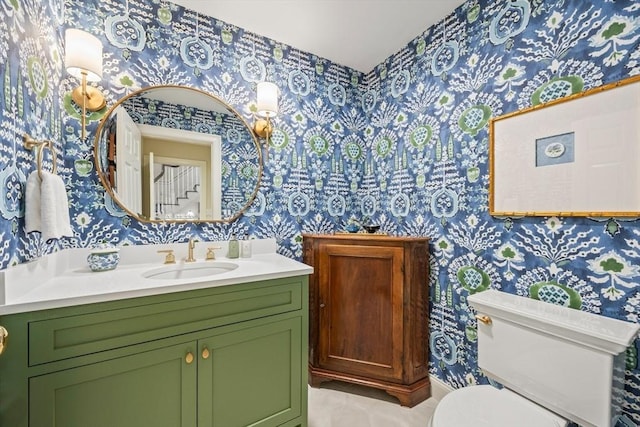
(154, 388)
(252, 376)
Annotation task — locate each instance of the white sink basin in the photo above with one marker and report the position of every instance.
(190, 271)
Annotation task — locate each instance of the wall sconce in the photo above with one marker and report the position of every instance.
(83, 60)
(267, 108)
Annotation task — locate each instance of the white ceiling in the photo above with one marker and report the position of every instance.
(357, 33)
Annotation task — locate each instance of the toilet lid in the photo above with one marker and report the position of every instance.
(486, 406)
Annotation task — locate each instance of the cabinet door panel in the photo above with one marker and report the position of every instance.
(155, 388)
(252, 376)
(361, 295)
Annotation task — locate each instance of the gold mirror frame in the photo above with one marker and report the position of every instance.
(110, 190)
(574, 156)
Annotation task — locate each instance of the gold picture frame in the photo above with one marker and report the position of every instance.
(574, 156)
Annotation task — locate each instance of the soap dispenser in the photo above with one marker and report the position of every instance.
(234, 247)
(245, 247)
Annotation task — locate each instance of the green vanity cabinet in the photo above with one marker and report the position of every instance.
(229, 356)
(248, 376)
(155, 388)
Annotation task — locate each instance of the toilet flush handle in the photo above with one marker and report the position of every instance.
(483, 318)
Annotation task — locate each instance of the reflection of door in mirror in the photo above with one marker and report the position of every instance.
(181, 151)
(128, 183)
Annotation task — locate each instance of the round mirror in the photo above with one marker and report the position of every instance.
(174, 153)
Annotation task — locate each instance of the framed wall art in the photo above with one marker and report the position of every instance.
(574, 156)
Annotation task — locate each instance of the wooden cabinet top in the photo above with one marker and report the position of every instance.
(364, 237)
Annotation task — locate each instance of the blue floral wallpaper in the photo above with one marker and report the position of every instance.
(405, 144)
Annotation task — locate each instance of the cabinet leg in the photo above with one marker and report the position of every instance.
(410, 398)
(315, 380)
(407, 395)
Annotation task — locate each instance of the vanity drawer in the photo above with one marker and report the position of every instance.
(69, 335)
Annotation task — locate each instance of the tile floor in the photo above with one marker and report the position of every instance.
(337, 404)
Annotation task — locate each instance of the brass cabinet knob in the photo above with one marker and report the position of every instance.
(189, 358)
(205, 353)
(483, 318)
(3, 339)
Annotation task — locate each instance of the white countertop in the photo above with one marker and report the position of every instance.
(64, 279)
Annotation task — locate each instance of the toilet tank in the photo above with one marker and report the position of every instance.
(569, 361)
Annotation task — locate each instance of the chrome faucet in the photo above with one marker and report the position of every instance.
(191, 246)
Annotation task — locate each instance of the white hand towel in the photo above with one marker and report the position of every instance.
(54, 208)
(32, 203)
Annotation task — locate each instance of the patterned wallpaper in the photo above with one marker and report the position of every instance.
(405, 145)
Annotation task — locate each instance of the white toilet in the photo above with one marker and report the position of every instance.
(555, 363)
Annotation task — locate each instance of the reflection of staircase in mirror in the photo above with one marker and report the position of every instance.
(176, 190)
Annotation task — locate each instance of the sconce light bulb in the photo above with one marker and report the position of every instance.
(83, 54)
(267, 103)
(83, 60)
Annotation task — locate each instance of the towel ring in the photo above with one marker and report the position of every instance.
(30, 143)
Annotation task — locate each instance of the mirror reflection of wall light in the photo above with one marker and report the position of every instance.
(83, 60)
(267, 108)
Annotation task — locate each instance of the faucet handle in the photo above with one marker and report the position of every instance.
(170, 258)
(211, 255)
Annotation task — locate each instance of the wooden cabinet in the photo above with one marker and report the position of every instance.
(229, 356)
(369, 312)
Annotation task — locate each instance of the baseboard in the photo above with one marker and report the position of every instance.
(439, 388)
